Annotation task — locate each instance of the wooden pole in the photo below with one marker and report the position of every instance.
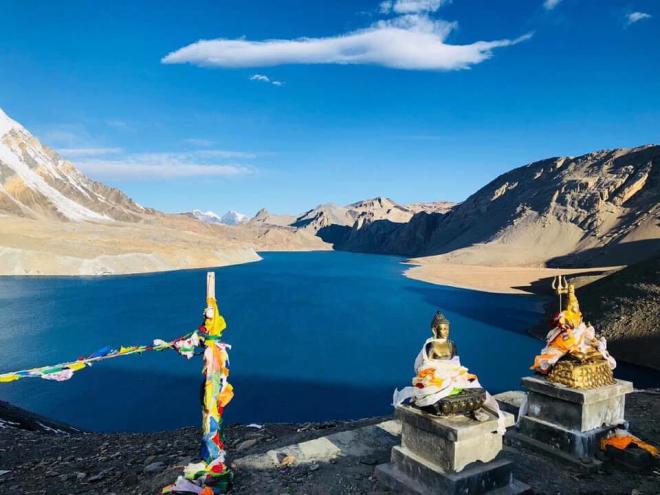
(210, 285)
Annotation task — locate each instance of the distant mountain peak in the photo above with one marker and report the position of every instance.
(234, 218)
(7, 123)
(230, 218)
(206, 216)
(265, 217)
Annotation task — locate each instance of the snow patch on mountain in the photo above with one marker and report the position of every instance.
(10, 155)
(7, 123)
(230, 218)
(206, 216)
(35, 182)
(234, 218)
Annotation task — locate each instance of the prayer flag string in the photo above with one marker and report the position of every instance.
(64, 371)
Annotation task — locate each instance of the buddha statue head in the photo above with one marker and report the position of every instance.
(440, 326)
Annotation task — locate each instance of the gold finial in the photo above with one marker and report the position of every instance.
(571, 314)
(560, 286)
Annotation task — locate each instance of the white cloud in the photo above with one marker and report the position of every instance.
(259, 77)
(266, 79)
(634, 17)
(164, 166)
(82, 152)
(412, 42)
(550, 4)
(410, 6)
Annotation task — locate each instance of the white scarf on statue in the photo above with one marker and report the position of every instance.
(437, 378)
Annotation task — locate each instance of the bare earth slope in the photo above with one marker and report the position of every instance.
(625, 308)
(599, 208)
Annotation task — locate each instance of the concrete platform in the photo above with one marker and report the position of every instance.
(450, 442)
(580, 410)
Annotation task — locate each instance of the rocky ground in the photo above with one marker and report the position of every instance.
(45, 463)
(624, 308)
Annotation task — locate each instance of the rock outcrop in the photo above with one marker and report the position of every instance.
(264, 217)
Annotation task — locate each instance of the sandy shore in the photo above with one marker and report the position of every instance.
(497, 279)
(159, 243)
(56, 248)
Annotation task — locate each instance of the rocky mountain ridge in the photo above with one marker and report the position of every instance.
(355, 215)
(602, 207)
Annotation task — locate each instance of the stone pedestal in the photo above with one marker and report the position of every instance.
(449, 454)
(569, 423)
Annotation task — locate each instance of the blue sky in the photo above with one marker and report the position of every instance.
(418, 100)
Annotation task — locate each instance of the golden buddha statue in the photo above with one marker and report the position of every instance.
(574, 356)
(438, 349)
(441, 347)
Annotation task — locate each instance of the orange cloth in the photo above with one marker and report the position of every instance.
(622, 442)
(565, 341)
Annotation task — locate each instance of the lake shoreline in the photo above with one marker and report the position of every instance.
(517, 280)
(491, 279)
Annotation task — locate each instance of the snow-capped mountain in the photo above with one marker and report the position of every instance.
(229, 218)
(234, 218)
(35, 182)
(206, 216)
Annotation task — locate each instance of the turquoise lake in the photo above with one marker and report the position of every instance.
(315, 336)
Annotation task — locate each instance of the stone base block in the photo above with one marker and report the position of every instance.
(579, 447)
(447, 454)
(569, 423)
(573, 409)
(410, 474)
(450, 442)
